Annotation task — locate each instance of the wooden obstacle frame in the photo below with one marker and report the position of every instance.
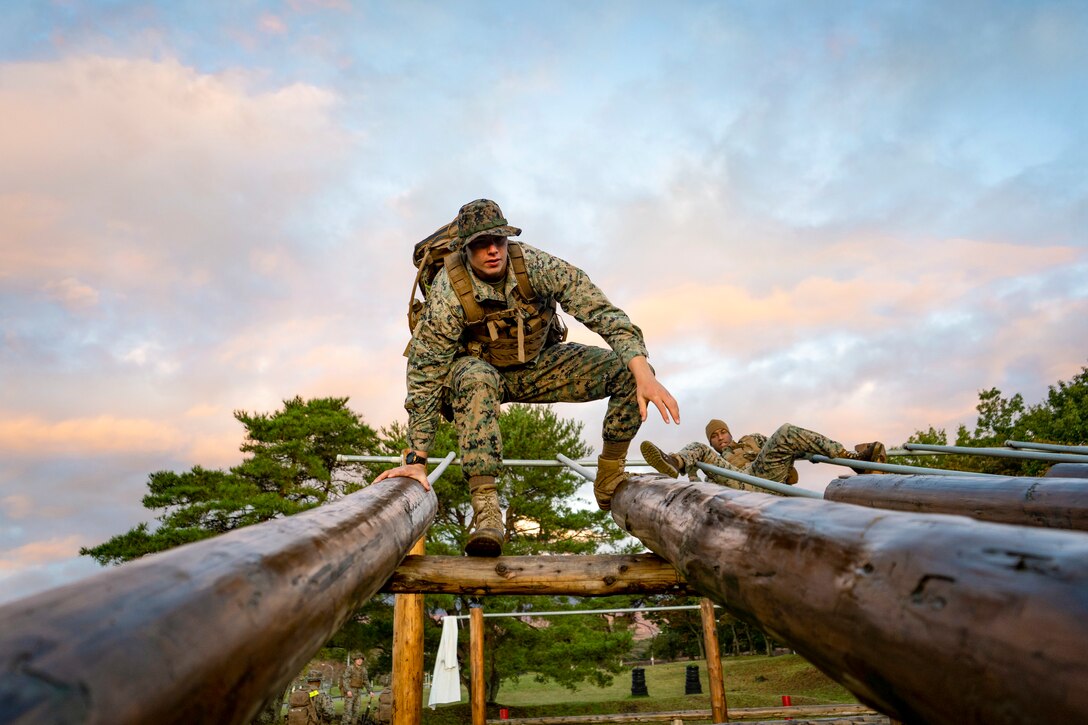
(925, 617)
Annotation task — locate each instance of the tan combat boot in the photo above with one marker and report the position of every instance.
(873, 452)
(610, 475)
(487, 527)
(666, 463)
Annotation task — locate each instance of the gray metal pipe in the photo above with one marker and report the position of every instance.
(780, 488)
(559, 613)
(1053, 447)
(526, 462)
(441, 467)
(895, 467)
(576, 467)
(998, 453)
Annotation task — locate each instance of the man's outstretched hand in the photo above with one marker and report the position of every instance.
(648, 389)
(418, 471)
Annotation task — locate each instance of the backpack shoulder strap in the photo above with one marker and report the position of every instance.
(462, 285)
(521, 273)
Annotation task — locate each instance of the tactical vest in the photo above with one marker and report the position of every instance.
(509, 335)
(357, 677)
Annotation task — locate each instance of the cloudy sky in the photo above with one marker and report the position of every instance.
(850, 216)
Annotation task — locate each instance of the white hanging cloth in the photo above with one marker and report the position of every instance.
(446, 680)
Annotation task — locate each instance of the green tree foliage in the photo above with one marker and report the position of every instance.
(541, 516)
(680, 631)
(1061, 418)
(290, 466)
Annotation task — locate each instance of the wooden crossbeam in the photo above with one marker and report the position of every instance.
(738, 713)
(584, 576)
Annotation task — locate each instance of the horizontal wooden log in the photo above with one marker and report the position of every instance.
(206, 632)
(1067, 470)
(583, 576)
(736, 713)
(1055, 503)
(927, 618)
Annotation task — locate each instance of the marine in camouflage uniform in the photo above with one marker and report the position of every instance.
(771, 458)
(355, 689)
(450, 368)
(311, 705)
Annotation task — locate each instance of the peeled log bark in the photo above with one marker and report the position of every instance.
(1055, 503)
(927, 618)
(585, 576)
(204, 632)
(851, 713)
(1067, 470)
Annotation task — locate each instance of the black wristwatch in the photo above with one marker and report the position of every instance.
(411, 458)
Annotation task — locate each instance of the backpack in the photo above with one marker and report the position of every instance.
(428, 257)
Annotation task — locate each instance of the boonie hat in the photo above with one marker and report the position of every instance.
(481, 218)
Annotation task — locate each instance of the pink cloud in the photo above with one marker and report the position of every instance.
(39, 553)
(17, 505)
(100, 434)
(272, 24)
(72, 293)
(127, 169)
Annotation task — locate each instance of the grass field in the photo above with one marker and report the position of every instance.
(754, 681)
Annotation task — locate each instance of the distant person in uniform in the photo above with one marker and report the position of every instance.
(757, 455)
(311, 705)
(355, 689)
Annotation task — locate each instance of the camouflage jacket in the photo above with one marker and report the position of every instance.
(744, 451)
(437, 339)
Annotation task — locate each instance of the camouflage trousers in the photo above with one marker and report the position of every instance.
(782, 448)
(354, 706)
(565, 373)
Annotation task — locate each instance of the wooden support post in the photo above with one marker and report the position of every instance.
(924, 617)
(208, 631)
(1055, 503)
(718, 706)
(408, 654)
(477, 692)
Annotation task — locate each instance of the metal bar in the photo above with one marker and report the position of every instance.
(998, 453)
(514, 462)
(162, 638)
(1053, 447)
(895, 467)
(899, 452)
(441, 467)
(780, 488)
(580, 611)
(576, 467)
